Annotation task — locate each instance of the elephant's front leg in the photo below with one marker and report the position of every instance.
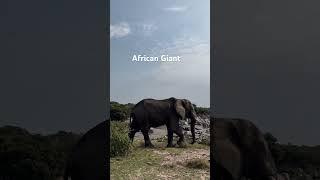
(179, 132)
(170, 138)
(193, 133)
(147, 142)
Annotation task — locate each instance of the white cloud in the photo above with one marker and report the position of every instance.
(148, 28)
(176, 9)
(119, 30)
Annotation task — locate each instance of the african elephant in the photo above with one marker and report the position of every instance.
(88, 159)
(153, 113)
(240, 151)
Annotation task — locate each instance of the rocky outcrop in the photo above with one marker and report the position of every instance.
(202, 129)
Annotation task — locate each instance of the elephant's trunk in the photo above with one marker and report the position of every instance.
(192, 125)
(193, 122)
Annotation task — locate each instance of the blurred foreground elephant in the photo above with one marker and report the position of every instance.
(240, 152)
(153, 113)
(88, 160)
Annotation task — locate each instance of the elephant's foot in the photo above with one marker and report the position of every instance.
(170, 145)
(149, 145)
(182, 144)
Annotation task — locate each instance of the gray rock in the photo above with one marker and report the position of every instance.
(186, 128)
(151, 131)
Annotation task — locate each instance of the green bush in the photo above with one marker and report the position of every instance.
(120, 112)
(201, 110)
(120, 144)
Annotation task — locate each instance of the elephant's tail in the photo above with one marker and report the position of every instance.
(131, 118)
(131, 127)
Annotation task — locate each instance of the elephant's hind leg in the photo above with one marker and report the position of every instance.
(132, 133)
(170, 138)
(147, 142)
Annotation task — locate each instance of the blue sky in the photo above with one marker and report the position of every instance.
(152, 28)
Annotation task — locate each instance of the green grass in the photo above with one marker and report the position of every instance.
(145, 163)
(142, 160)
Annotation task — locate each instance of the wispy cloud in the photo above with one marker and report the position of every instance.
(176, 8)
(119, 30)
(148, 28)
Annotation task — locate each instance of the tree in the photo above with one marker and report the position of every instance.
(120, 112)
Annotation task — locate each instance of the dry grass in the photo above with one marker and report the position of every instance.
(198, 164)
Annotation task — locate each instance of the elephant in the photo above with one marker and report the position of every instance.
(154, 113)
(241, 152)
(89, 157)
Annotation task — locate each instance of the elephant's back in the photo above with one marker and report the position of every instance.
(236, 125)
(152, 106)
(153, 112)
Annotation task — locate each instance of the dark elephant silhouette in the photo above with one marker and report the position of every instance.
(240, 151)
(153, 113)
(89, 157)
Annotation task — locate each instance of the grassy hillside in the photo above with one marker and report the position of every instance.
(295, 158)
(33, 156)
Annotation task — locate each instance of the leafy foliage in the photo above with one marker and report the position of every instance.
(201, 110)
(120, 144)
(290, 157)
(120, 112)
(33, 156)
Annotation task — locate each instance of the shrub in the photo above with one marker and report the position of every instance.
(120, 144)
(201, 110)
(119, 112)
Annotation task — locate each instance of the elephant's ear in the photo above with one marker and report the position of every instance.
(180, 109)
